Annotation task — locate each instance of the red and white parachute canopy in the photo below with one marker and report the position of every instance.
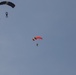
(37, 38)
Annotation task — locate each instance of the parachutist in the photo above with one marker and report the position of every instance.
(37, 44)
(6, 14)
(37, 38)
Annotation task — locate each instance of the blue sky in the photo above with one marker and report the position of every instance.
(55, 21)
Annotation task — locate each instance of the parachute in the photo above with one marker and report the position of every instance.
(7, 3)
(37, 38)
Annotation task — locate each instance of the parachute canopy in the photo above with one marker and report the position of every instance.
(37, 38)
(7, 3)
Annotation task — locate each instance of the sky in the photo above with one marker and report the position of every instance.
(55, 21)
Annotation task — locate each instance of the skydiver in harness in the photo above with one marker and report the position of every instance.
(6, 14)
(37, 44)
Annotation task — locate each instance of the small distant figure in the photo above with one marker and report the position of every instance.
(37, 44)
(6, 14)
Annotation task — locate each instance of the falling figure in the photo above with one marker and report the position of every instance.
(37, 44)
(6, 14)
